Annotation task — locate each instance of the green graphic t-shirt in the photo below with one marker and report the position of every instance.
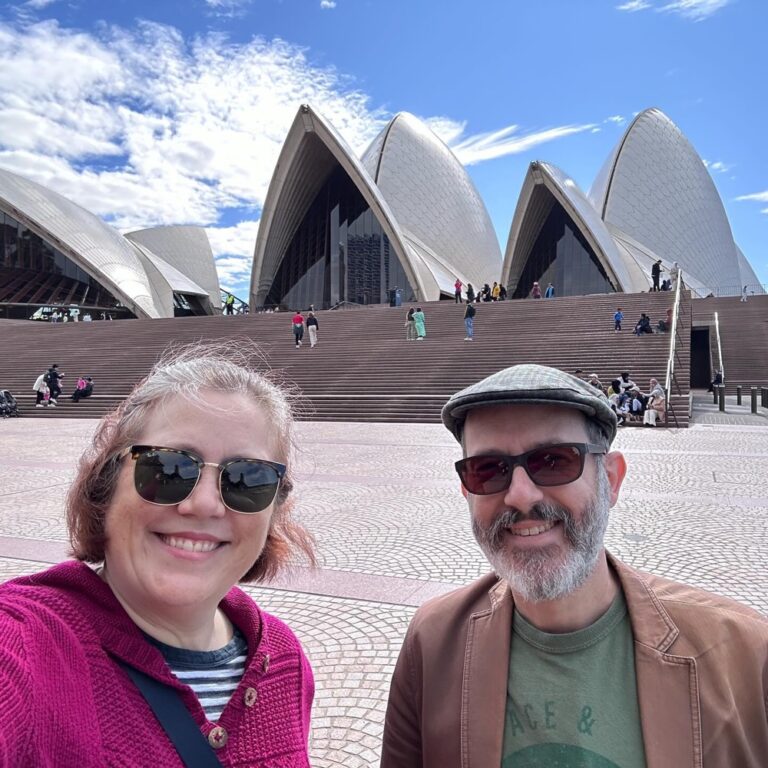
(572, 697)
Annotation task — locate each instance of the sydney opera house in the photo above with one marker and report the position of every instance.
(404, 218)
(337, 228)
(55, 254)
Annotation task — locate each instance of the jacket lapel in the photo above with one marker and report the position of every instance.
(484, 687)
(667, 685)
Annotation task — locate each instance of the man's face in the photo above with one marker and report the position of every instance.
(544, 541)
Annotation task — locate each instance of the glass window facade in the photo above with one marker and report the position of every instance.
(339, 253)
(561, 256)
(34, 274)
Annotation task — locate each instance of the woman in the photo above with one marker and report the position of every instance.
(312, 328)
(410, 325)
(298, 328)
(655, 406)
(470, 293)
(419, 322)
(536, 291)
(185, 492)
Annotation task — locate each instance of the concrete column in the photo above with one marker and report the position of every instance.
(753, 394)
(738, 395)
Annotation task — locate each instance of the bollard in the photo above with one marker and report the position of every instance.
(721, 401)
(714, 393)
(753, 393)
(738, 395)
(764, 396)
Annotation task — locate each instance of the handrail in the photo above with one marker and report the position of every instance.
(673, 335)
(719, 347)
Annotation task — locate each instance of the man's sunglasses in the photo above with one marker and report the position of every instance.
(167, 476)
(547, 466)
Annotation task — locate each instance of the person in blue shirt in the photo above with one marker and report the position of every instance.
(550, 292)
(617, 318)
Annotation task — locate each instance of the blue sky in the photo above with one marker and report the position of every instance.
(173, 112)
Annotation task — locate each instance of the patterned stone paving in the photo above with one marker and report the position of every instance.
(392, 529)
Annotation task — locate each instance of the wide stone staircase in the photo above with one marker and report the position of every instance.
(743, 338)
(363, 369)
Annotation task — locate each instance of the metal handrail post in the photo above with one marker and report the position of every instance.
(673, 342)
(719, 346)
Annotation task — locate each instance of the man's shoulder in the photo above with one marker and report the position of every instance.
(458, 605)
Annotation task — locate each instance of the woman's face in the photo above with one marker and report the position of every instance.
(149, 564)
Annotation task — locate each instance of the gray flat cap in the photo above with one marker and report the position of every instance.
(530, 385)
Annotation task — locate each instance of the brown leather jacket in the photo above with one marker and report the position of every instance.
(701, 663)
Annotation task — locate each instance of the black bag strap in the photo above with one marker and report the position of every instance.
(193, 748)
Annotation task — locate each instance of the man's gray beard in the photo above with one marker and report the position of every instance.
(549, 573)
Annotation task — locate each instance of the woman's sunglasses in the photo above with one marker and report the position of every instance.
(167, 476)
(547, 466)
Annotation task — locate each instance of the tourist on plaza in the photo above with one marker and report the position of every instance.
(469, 322)
(502, 293)
(312, 328)
(410, 325)
(54, 376)
(87, 318)
(717, 381)
(229, 304)
(655, 404)
(656, 274)
(536, 291)
(617, 318)
(665, 285)
(674, 274)
(470, 293)
(495, 291)
(744, 294)
(550, 292)
(564, 655)
(487, 293)
(84, 388)
(186, 491)
(298, 327)
(625, 382)
(42, 391)
(419, 322)
(457, 286)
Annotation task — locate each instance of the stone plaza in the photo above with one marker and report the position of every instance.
(392, 530)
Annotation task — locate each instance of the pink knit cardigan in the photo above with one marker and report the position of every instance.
(64, 701)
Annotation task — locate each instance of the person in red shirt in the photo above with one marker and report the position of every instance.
(298, 328)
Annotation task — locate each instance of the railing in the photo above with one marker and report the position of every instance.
(670, 377)
(753, 289)
(719, 347)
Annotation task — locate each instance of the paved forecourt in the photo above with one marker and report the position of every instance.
(392, 530)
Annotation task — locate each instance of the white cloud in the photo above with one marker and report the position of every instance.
(761, 197)
(718, 166)
(38, 4)
(488, 146)
(695, 10)
(633, 5)
(617, 119)
(233, 249)
(327, 4)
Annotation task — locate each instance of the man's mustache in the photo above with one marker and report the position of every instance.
(542, 512)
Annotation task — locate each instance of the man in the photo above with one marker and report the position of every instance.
(469, 322)
(229, 304)
(52, 380)
(567, 657)
(656, 274)
(550, 292)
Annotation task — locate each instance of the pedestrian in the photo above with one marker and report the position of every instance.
(536, 291)
(54, 377)
(457, 290)
(656, 274)
(84, 388)
(617, 318)
(312, 328)
(674, 274)
(470, 293)
(550, 292)
(41, 390)
(469, 322)
(229, 304)
(298, 327)
(487, 293)
(744, 294)
(495, 292)
(419, 321)
(410, 325)
(502, 293)
(520, 667)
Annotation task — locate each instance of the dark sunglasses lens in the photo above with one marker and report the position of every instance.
(249, 486)
(165, 477)
(484, 475)
(555, 465)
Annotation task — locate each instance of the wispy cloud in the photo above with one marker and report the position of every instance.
(228, 8)
(633, 6)
(616, 119)
(327, 4)
(760, 197)
(694, 10)
(38, 4)
(718, 166)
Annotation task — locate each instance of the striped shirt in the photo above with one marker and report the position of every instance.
(212, 675)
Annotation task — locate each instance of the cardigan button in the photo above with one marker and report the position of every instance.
(251, 697)
(218, 737)
(265, 663)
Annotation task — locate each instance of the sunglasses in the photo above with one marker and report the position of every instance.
(167, 476)
(546, 466)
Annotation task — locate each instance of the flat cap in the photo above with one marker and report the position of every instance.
(530, 385)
